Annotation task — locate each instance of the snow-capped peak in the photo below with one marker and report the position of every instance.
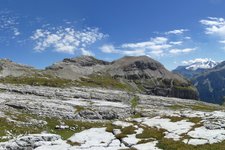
(200, 63)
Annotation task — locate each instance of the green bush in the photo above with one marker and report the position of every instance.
(134, 103)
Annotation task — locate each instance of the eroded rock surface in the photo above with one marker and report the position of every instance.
(95, 118)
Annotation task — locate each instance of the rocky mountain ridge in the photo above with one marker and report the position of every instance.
(141, 74)
(211, 84)
(195, 68)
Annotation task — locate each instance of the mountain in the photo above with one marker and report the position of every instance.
(150, 76)
(75, 68)
(211, 84)
(9, 68)
(195, 67)
(140, 74)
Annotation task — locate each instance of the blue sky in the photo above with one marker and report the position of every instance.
(41, 32)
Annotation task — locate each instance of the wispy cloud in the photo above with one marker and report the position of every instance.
(176, 31)
(214, 26)
(6, 20)
(222, 42)
(9, 24)
(180, 51)
(66, 40)
(109, 48)
(176, 42)
(158, 46)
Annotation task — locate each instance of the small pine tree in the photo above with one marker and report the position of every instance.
(134, 102)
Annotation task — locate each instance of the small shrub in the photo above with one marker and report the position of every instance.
(134, 103)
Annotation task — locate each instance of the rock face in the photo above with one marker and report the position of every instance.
(211, 84)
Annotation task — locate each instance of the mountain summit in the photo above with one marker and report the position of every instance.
(195, 67)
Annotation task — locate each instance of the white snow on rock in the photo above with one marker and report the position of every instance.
(197, 141)
(122, 123)
(213, 136)
(95, 137)
(131, 138)
(200, 63)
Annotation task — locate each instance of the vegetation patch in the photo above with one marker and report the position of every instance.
(104, 82)
(145, 141)
(125, 131)
(2, 90)
(137, 115)
(151, 132)
(37, 81)
(73, 143)
(196, 107)
(110, 127)
(79, 108)
(21, 125)
(203, 107)
(185, 88)
(169, 144)
(174, 118)
(176, 107)
(128, 130)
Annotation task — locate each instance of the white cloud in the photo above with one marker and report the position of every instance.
(222, 42)
(16, 32)
(214, 26)
(86, 52)
(66, 40)
(158, 46)
(108, 48)
(137, 52)
(179, 51)
(155, 46)
(176, 42)
(187, 37)
(176, 32)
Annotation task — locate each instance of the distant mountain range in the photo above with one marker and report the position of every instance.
(195, 67)
(205, 79)
(211, 84)
(137, 74)
(208, 77)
